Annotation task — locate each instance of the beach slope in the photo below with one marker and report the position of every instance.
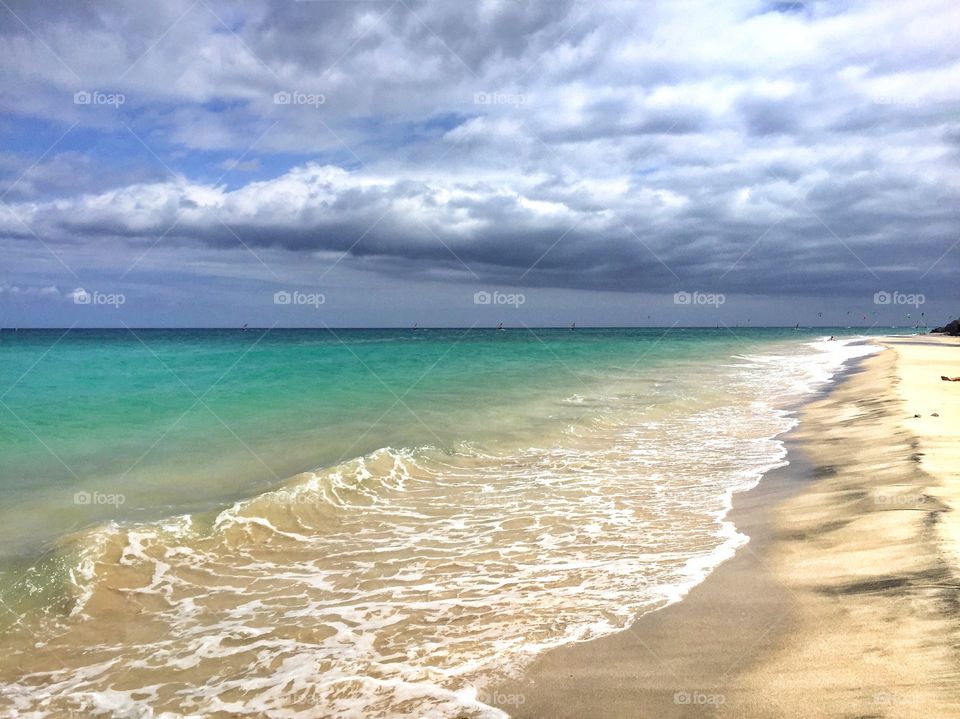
(846, 601)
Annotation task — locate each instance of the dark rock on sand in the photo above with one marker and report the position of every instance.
(951, 328)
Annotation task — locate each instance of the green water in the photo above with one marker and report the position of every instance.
(177, 421)
(479, 496)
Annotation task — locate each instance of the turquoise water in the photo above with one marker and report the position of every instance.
(364, 523)
(181, 420)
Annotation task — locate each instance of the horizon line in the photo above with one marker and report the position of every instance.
(473, 327)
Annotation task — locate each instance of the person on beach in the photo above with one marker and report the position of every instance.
(949, 379)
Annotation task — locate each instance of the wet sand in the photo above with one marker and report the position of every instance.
(846, 601)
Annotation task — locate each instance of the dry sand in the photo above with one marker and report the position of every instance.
(846, 601)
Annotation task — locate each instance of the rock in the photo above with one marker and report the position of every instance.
(951, 328)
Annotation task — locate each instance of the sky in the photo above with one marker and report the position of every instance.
(340, 163)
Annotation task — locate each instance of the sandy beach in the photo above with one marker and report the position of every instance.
(409, 579)
(846, 601)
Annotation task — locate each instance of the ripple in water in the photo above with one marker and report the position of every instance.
(402, 583)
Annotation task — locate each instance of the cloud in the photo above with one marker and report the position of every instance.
(620, 235)
(16, 291)
(757, 147)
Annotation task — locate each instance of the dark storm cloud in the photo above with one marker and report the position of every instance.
(468, 33)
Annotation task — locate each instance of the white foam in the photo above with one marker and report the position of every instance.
(404, 582)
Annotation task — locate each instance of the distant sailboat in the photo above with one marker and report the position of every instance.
(500, 326)
(415, 326)
(573, 326)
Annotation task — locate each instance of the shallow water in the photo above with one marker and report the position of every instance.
(471, 499)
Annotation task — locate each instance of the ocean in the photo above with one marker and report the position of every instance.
(364, 523)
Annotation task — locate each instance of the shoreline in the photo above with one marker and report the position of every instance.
(847, 596)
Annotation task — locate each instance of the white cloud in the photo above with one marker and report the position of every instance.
(687, 130)
(21, 291)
